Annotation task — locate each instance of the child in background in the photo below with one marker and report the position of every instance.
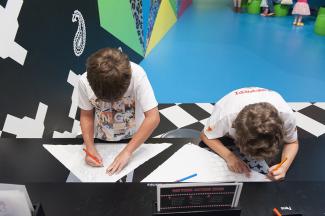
(265, 7)
(237, 6)
(270, 9)
(286, 2)
(300, 9)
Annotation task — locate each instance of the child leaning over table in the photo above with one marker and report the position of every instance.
(116, 102)
(260, 122)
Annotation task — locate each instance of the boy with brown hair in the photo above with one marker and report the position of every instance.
(116, 102)
(260, 122)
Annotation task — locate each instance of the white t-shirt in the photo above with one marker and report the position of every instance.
(121, 119)
(226, 110)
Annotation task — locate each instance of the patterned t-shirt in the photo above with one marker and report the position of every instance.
(119, 120)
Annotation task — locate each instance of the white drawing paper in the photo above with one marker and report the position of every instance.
(14, 203)
(73, 158)
(15, 187)
(208, 166)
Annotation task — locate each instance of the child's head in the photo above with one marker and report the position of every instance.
(109, 74)
(259, 130)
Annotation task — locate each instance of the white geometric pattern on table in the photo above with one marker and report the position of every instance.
(178, 116)
(206, 106)
(309, 124)
(320, 105)
(204, 121)
(296, 106)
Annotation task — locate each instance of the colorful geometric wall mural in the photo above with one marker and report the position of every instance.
(165, 19)
(140, 24)
(154, 7)
(116, 17)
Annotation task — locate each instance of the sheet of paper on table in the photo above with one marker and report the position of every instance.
(14, 203)
(208, 166)
(21, 188)
(73, 158)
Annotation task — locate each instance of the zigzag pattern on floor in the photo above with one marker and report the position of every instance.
(310, 117)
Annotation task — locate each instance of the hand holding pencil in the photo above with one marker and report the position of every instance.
(278, 171)
(92, 157)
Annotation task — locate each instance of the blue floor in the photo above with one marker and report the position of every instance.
(211, 51)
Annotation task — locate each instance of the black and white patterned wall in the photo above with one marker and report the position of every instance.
(43, 49)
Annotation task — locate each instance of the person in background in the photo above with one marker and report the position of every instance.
(261, 124)
(264, 7)
(237, 6)
(286, 2)
(300, 9)
(270, 9)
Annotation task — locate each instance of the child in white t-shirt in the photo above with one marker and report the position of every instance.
(260, 122)
(116, 102)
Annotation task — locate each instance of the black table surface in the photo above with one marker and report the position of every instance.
(137, 198)
(25, 160)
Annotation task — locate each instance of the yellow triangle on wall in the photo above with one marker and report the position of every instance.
(165, 19)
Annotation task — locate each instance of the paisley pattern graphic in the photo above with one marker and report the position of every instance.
(79, 41)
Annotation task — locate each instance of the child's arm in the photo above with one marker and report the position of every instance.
(87, 128)
(233, 162)
(150, 122)
(289, 151)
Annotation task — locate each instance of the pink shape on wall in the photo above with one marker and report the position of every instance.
(184, 4)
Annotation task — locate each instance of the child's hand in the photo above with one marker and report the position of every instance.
(90, 161)
(237, 165)
(119, 162)
(277, 175)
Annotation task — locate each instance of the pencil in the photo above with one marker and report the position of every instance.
(276, 212)
(280, 164)
(92, 156)
(188, 177)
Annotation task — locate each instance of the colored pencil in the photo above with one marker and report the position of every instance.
(185, 178)
(92, 156)
(276, 212)
(280, 164)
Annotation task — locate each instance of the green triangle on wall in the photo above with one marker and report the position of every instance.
(116, 18)
(173, 3)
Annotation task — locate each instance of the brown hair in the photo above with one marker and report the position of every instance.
(109, 74)
(259, 130)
